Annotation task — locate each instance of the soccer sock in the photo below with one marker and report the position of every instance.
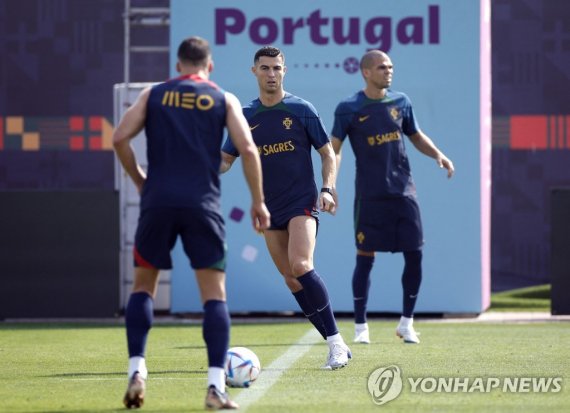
(217, 377)
(360, 286)
(137, 364)
(360, 327)
(310, 312)
(406, 322)
(334, 339)
(411, 280)
(318, 297)
(138, 320)
(216, 332)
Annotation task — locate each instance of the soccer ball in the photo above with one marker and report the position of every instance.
(242, 367)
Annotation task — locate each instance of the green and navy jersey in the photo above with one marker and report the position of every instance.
(185, 122)
(376, 129)
(284, 135)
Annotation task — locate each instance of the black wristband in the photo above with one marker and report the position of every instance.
(325, 189)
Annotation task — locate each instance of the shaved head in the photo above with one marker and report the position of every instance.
(377, 70)
(369, 57)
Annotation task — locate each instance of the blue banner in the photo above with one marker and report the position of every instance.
(436, 50)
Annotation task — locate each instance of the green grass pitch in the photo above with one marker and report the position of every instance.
(535, 298)
(81, 367)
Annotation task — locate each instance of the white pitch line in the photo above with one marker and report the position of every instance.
(270, 374)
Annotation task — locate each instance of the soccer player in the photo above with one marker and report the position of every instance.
(184, 120)
(386, 212)
(284, 128)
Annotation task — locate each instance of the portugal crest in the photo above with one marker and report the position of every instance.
(287, 122)
(395, 113)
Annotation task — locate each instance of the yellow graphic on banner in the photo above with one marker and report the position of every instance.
(76, 133)
(14, 125)
(31, 141)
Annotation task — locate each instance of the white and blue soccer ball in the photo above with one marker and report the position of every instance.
(242, 367)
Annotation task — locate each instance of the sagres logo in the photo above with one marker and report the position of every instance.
(385, 384)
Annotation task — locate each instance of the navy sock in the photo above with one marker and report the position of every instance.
(216, 331)
(138, 320)
(411, 280)
(360, 286)
(318, 297)
(310, 312)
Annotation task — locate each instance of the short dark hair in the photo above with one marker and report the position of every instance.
(268, 51)
(195, 51)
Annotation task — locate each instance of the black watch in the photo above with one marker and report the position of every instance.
(325, 189)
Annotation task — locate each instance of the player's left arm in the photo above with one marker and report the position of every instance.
(425, 145)
(328, 202)
(130, 125)
(227, 162)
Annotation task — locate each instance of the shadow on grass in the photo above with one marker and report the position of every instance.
(523, 299)
(82, 411)
(253, 345)
(119, 374)
(540, 292)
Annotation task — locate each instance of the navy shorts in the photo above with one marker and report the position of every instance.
(280, 221)
(202, 233)
(388, 225)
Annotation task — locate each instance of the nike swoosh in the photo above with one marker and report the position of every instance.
(253, 127)
(363, 118)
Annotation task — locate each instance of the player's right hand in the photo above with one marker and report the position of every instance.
(260, 216)
(327, 202)
(445, 162)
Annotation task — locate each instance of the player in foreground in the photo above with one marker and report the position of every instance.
(284, 128)
(184, 120)
(386, 212)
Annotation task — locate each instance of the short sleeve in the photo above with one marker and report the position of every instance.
(342, 119)
(229, 147)
(315, 127)
(409, 124)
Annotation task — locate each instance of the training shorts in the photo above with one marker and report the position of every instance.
(388, 225)
(201, 231)
(280, 221)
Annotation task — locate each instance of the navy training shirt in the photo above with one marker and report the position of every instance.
(376, 129)
(185, 122)
(284, 134)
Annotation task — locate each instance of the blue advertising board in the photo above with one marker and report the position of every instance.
(440, 50)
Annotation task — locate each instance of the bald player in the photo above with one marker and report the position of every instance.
(386, 212)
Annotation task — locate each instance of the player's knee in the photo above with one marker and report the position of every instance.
(292, 283)
(301, 267)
